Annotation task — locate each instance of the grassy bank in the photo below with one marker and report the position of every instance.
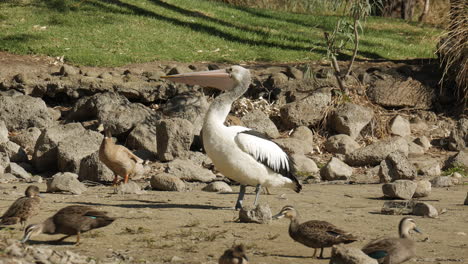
(116, 32)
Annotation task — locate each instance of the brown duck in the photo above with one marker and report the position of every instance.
(313, 233)
(394, 250)
(23, 208)
(118, 158)
(234, 255)
(71, 220)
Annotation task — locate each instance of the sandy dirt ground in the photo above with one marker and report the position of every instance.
(198, 226)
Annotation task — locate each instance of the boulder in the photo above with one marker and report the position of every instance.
(458, 138)
(261, 214)
(396, 167)
(303, 133)
(425, 209)
(167, 182)
(336, 170)
(423, 189)
(65, 182)
(259, 121)
(187, 170)
(174, 137)
(21, 112)
(293, 145)
(191, 106)
(72, 150)
(350, 119)
(304, 164)
(143, 139)
(27, 138)
(374, 153)
(217, 186)
(442, 181)
(130, 187)
(307, 111)
(3, 132)
(15, 152)
(423, 141)
(400, 189)
(92, 169)
(349, 255)
(341, 144)
(17, 171)
(400, 126)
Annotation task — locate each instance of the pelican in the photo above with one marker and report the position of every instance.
(239, 153)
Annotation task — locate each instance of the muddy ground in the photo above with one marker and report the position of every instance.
(198, 226)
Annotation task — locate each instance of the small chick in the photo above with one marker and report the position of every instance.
(234, 255)
(23, 208)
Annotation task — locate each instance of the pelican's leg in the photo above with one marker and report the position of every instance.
(240, 198)
(257, 193)
(321, 253)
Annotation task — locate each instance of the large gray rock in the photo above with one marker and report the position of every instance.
(167, 182)
(350, 119)
(293, 145)
(396, 167)
(259, 121)
(27, 138)
(261, 214)
(143, 139)
(400, 126)
(425, 209)
(336, 170)
(3, 132)
(92, 169)
(400, 189)
(423, 189)
(458, 138)
(217, 186)
(304, 164)
(191, 105)
(307, 111)
(174, 137)
(15, 152)
(130, 187)
(341, 144)
(18, 171)
(303, 133)
(72, 150)
(374, 153)
(460, 159)
(442, 181)
(65, 182)
(115, 112)
(21, 112)
(187, 170)
(349, 255)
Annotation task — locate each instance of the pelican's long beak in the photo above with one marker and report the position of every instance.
(219, 79)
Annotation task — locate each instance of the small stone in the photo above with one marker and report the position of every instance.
(217, 186)
(349, 255)
(336, 170)
(175, 259)
(65, 182)
(18, 171)
(423, 189)
(442, 181)
(303, 133)
(304, 164)
(3, 132)
(130, 187)
(167, 182)
(342, 144)
(423, 141)
(397, 207)
(399, 126)
(7, 178)
(396, 167)
(400, 189)
(415, 149)
(261, 214)
(67, 70)
(457, 178)
(187, 170)
(35, 179)
(425, 209)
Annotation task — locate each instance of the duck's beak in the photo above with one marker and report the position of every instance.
(417, 230)
(219, 79)
(277, 216)
(26, 237)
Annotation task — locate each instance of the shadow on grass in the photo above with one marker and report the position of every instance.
(18, 39)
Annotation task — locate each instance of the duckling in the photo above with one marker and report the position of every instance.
(234, 255)
(315, 234)
(394, 250)
(118, 158)
(23, 208)
(71, 220)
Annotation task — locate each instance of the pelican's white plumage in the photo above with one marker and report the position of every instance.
(239, 153)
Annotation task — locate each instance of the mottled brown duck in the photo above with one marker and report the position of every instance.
(234, 255)
(71, 220)
(118, 158)
(23, 208)
(394, 250)
(315, 234)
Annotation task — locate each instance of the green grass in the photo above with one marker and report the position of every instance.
(462, 170)
(117, 32)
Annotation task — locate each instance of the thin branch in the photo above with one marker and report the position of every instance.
(356, 47)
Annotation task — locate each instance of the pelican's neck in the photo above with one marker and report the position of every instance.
(221, 106)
